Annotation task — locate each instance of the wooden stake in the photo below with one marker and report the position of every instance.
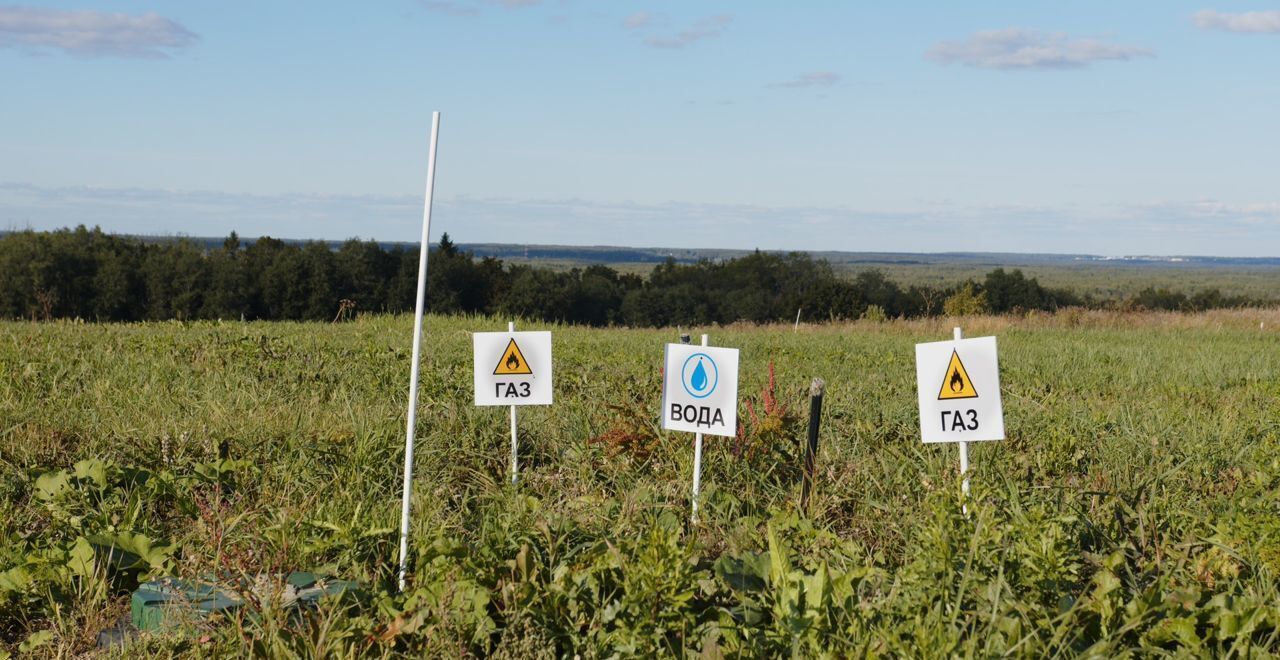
(816, 389)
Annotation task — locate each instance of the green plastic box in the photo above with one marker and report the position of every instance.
(170, 603)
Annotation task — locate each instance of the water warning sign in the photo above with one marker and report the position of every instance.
(700, 389)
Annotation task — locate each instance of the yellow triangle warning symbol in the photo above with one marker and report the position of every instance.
(512, 362)
(957, 384)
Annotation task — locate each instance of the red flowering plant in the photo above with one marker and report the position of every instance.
(768, 437)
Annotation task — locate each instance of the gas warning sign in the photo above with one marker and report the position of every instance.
(958, 386)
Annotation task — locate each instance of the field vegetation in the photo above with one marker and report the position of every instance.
(1105, 283)
(1132, 509)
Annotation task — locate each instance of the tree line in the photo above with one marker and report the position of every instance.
(88, 274)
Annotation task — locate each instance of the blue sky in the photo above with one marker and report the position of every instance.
(1099, 127)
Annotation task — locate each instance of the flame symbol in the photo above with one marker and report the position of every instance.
(957, 383)
(699, 378)
(513, 362)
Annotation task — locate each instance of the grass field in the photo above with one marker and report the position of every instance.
(1133, 506)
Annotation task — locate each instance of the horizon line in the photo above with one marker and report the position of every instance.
(672, 250)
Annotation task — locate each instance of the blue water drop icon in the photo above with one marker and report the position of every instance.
(699, 378)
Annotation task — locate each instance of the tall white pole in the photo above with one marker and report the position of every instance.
(697, 465)
(511, 327)
(964, 453)
(410, 425)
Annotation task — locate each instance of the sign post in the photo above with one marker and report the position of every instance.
(697, 467)
(958, 388)
(700, 395)
(512, 369)
(515, 463)
(964, 445)
(417, 350)
(816, 389)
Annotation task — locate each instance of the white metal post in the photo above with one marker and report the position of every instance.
(411, 423)
(697, 465)
(511, 327)
(964, 453)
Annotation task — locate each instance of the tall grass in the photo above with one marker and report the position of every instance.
(1132, 505)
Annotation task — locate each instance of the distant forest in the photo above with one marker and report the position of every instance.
(87, 274)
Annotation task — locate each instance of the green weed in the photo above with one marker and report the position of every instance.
(1131, 511)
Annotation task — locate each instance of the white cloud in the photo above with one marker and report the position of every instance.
(705, 28)
(1204, 226)
(1018, 48)
(448, 7)
(813, 79)
(472, 7)
(638, 20)
(91, 33)
(1212, 208)
(1249, 21)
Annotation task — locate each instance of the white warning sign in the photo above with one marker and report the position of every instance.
(700, 389)
(512, 368)
(958, 384)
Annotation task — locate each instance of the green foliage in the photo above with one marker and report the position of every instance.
(87, 274)
(1013, 292)
(93, 529)
(874, 314)
(1130, 512)
(966, 302)
(1165, 299)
